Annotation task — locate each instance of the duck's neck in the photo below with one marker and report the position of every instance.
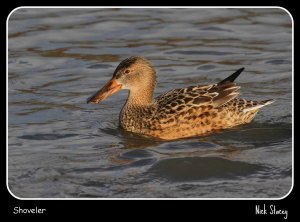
(140, 98)
(137, 107)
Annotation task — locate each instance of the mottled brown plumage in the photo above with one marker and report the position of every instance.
(185, 112)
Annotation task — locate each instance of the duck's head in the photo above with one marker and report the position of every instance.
(134, 73)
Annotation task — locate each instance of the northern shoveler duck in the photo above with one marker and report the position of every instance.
(185, 112)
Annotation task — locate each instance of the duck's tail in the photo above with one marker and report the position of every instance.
(258, 105)
(232, 77)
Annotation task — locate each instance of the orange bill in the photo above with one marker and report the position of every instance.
(110, 88)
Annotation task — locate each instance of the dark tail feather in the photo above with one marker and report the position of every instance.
(232, 77)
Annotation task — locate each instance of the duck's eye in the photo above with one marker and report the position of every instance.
(127, 71)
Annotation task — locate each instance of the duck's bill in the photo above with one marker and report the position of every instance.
(110, 88)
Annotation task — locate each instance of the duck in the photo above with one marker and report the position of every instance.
(193, 111)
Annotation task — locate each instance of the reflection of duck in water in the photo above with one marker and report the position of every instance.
(192, 111)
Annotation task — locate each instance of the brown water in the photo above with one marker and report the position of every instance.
(59, 146)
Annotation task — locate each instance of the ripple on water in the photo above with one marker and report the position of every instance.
(206, 67)
(202, 168)
(100, 66)
(198, 52)
(48, 136)
(279, 61)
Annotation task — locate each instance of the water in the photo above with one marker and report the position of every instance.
(59, 146)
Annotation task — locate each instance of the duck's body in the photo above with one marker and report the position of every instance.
(192, 111)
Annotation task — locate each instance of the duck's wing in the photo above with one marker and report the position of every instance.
(185, 106)
(214, 95)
